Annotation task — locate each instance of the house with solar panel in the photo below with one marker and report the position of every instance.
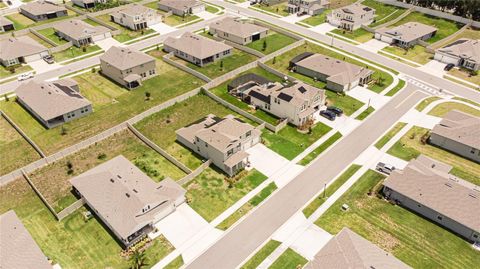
(296, 102)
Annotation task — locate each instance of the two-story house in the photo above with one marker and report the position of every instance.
(351, 17)
(221, 140)
(136, 17)
(127, 66)
(310, 7)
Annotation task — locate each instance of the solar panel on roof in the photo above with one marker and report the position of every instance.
(285, 97)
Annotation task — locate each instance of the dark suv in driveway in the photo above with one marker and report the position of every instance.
(449, 67)
(328, 114)
(338, 111)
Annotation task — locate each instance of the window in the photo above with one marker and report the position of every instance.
(439, 217)
(475, 236)
(229, 152)
(206, 145)
(249, 133)
(472, 151)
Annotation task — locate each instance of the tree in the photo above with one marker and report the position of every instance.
(221, 65)
(147, 95)
(264, 47)
(138, 260)
(274, 60)
(93, 69)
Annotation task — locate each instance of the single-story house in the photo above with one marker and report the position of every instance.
(464, 52)
(222, 140)
(425, 187)
(127, 201)
(182, 7)
(406, 35)
(136, 17)
(127, 66)
(197, 49)
(340, 76)
(19, 50)
(53, 103)
(6, 25)
(309, 7)
(81, 33)
(42, 10)
(351, 17)
(18, 249)
(349, 250)
(296, 102)
(88, 3)
(458, 132)
(237, 31)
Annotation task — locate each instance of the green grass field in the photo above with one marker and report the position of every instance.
(426, 102)
(20, 21)
(359, 35)
(411, 238)
(4, 72)
(289, 260)
(442, 109)
(74, 51)
(112, 105)
(365, 113)
(388, 136)
(274, 41)
(50, 34)
(261, 255)
(320, 149)
(417, 53)
(280, 9)
(209, 194)
(397, 88)
(176, 263)
(317, 19)
(383, 12)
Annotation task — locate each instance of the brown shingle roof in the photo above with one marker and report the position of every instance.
(236, 27)
(4, 21)
(41, 7)
(196, 45)
(348, 250)
(14, 47)
(180, 4)
(18, 250)
(119, 191)
(409, 31)
(135, 9)
(427, 182)
(78, 29)
(461, 127)
(124, 58)
(464, 48)
(51, 99)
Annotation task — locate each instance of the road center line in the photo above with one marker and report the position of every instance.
(404, 100)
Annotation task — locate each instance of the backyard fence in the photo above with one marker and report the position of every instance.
(194, 173)
(397, 19)
(40, 195)
(185, 68)
(240, 47)
(70, 209)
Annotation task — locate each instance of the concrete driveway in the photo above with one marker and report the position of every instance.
(434, 67)
(311, 241)
(323, 28)
(294, 18)
(367, 96)
(265, 160)
(373, 45)
(40, 66)
(206, 15)
(107, 43)
(162, 28)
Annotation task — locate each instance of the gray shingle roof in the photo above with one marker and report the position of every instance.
(14, 47)
(124, 58)
(18, 250)
(78, 29)
(4, 21)
(41, 7)
(461, 127)
(409, 31)
(236, 27)
(464, 48)
(196, 45)
(180, 4)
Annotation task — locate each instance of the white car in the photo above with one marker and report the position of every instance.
(25, 76)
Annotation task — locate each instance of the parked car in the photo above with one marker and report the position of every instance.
(328, 114)
(25, 76)
(385, 168)
(49, 59)
(338, 111)
(448, 67)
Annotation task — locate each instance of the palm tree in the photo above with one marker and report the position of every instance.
(138, 260)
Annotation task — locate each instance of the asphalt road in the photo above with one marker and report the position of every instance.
(423, 76)
(231, 250)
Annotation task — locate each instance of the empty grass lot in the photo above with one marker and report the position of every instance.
(442, 109)
(289, 142)
(317, 19)
(50, 34)
(416, 53)
(244, 209)
(209, 194)
(215, 69)
(445, 27)
(72, 242)
(261, 255)
(332, 188)
(289, 260)
(274, 42)
(280, 9)
(74, 51)
(410, 146)
(126, 33)
(15, 150)
(320, 149)
(57, 188)
(383, 12)
(112, 105)
(388, 136)
(411, 238)
(4, 72)
(176, 117)
(360, 35)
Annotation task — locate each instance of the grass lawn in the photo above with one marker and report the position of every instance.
(212, 9)
(279, 9)
(445, 27)
(244, 209)
(176, 263)
(388, 136)
(50, 34)
(383, 12)
(126, 33)
(365, 113)
(320, 149)
(411, 238)
(332, 188)
(467, 33)
(410, 146)
(317, 19)
(4, 72)
(57, 188)
(465, 75)
(289, 260)
(416, 53)
(341, 3)
(112, 105)
(72, 242)
(274, 42)
(467, 101)
(289, 142)
(176, 117)
(74, 51)
(215, 69)
(397, 88)
(16, 151)
(20, 21)
(174, 20)
(425, 102)
(39, 40)
(360, 35)
(209, 194)
(261, 255)
(442, 109)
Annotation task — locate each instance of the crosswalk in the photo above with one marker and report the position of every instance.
(428, 88)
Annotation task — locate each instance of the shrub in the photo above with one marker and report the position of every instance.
(102, 156)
